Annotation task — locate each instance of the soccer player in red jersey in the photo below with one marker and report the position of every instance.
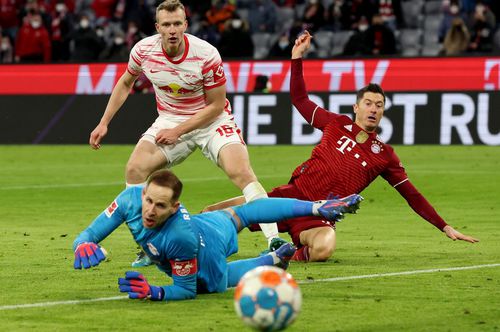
(348, 158)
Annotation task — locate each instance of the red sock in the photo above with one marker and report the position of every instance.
(301, 255)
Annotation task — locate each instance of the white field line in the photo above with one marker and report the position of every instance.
(366, 276)
(403, 273)
(49, 304)
(102, 184)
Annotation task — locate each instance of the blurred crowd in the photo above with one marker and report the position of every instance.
(35, 31)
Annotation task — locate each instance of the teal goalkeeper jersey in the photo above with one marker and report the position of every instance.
(190, 249)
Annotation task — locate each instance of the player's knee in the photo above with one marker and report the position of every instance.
(135, 172)
(321, 252)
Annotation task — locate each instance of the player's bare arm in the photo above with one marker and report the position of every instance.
(215, 98)
(225, 204)
(118, 97)
(302, 44)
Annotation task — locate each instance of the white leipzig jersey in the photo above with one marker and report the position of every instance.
(179, 84)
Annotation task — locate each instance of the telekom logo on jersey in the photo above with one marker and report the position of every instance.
(345, 144)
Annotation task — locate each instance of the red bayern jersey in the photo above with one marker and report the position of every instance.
(346, 160)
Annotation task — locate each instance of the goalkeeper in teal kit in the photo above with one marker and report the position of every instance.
(192, 249)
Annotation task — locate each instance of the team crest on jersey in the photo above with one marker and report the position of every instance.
(111, 209)
(361, 137)
(153, 249)
(184, 268)
(175, 89)
(376, 147)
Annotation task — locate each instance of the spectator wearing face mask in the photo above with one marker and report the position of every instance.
(6, 51)
(33, 42)
(86, 45)
(379, 38)
(9, 17)
(32, 8)
(353, 10)
(457, 38)
(482, 25)
(450, 10)
(236, 41)
(357, 43)
(61, 28)
(282, 48)
(117, 51)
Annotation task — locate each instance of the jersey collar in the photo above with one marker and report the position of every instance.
(184, 55)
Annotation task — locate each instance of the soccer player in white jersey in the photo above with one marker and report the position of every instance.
(189, 83)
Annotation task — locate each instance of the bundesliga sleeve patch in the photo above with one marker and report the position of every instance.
(111, 209)
(184, 268)
(219, 73)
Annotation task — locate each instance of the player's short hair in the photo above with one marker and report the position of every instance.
(372, 87)
(168, 179)
(170, 6)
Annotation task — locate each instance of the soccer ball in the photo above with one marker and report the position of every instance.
(267, 298)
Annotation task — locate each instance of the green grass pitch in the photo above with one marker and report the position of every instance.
(48, 194)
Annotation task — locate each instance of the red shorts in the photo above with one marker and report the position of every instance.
(294, 226)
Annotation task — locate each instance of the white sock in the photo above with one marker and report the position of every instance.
(275, 257)
(253, 191)
(316, 206)
(128, 185)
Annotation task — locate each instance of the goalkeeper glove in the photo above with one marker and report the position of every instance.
(88, 254)
(137, 287)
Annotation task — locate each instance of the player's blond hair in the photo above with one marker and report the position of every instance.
(170, 6)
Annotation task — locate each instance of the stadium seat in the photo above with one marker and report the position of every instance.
(431, 45)
(242, 13)
(433, 7)
(299, 10)
(324, 43)
(412, 13)
(340, 38)
(432, 23)
(286, 17)
(262, 44)
(431, 50)
(410, 42)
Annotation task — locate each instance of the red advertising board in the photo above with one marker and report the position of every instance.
(412, 74)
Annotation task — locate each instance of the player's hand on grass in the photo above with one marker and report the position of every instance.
(88, 254)
(456, 235)
(167, 136)
(96, 136)
(137, 287)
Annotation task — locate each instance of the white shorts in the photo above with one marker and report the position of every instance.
(210, 140)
